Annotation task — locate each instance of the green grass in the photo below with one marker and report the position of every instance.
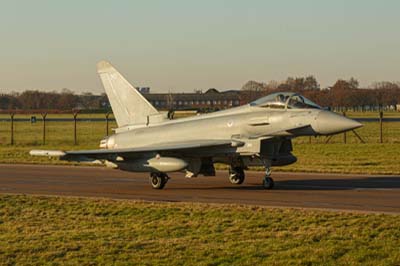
(38, 230)
(346, 158)
(353, 157)
(59, 135)
(374, 114)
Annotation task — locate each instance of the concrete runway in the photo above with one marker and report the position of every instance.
(300, 190)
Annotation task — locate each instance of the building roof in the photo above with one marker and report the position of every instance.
(211, 94)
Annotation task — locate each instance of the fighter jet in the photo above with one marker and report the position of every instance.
(256, 134)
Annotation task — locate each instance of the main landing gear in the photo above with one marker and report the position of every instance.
(236, 175)
(158, 180)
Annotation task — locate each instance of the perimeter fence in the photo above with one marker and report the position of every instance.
(88, 129)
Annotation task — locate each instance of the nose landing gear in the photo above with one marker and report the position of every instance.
(268, 182)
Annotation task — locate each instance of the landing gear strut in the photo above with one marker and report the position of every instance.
(268, 182)
(158, 180)
(236, 175)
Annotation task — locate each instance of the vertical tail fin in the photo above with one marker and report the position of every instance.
(128, 105)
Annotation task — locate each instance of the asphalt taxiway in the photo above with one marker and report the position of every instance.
(368, 193)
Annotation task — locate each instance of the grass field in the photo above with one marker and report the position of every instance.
(387, 114)
(353, 157)
(37, 230)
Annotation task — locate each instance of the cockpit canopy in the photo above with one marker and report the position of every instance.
(283, 100)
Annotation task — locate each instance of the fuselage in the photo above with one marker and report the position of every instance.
(262, 129)
(246, 122)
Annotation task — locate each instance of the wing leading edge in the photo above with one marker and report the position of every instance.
(106, 153)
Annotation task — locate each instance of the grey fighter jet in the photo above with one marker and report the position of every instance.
(256, 134)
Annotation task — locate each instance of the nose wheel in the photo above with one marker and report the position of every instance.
(158, 180)
(268, 182)
(236, 175)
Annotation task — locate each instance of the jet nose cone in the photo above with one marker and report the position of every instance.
(331, 123)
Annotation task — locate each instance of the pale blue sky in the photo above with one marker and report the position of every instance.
(187, 45)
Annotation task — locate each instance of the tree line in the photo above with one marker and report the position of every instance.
(41, 100)
(343, 94)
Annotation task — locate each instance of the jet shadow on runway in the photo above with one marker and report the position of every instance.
(373, 182)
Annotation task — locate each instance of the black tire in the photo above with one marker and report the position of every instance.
(268, 183)
(158, 180)
(236, 175)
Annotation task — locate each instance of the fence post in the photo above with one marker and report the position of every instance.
(381, 127)
(107, 119)
(75, 114)
(44, 115)
(12, 128)
(344, 134)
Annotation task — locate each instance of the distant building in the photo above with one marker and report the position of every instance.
(212, 99)
(144, 90)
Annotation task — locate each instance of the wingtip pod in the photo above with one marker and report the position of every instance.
(47, 153)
